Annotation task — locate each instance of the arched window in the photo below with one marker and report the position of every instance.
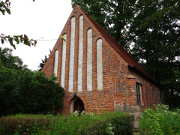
(138, 90)
(160, 96)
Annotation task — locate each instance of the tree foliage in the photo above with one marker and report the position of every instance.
(41, 65)
(150, 30)
(114, 16)
(156, 34)
(5, 7)
(9, 61)
(17, 39)
(24, 91)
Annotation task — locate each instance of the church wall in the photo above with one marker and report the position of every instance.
(117, 91)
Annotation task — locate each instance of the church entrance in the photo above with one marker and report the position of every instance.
(77, 105)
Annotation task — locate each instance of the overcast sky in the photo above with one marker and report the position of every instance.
(42, 20)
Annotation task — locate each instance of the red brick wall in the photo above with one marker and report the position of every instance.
(119, 84)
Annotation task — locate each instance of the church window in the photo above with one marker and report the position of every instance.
(138, 90)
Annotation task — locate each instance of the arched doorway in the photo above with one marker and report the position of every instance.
(77, 105)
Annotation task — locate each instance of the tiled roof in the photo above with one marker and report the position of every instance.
(118, 48)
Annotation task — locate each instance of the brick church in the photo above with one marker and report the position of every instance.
(96, 72)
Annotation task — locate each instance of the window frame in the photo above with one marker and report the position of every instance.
(138, 93)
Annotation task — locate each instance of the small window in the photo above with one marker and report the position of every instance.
(153, 95)
(138, 90)
(160, 96)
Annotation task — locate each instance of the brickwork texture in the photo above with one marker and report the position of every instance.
(118, 79)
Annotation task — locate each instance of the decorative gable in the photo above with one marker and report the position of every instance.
(76, 47)
(95, 71)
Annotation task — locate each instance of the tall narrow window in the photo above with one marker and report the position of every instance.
(71, 62)
(153, 95)
(160, 95)
(138, 90)
(99, 65)
(80, 59)
(89, 60)
(56, 62)
(63, 61)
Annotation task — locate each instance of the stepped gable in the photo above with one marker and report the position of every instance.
(133, 64)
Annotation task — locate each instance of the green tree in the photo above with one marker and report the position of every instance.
(156, 34)
(115, 16)
(41, 65)
(9, 61)
(5, 7)
(25, 91)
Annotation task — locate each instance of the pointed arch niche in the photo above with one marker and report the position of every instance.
(76, 104)
(80, 59)
(99, 65)
(56, 62)
(71, 61)
(89, 60)
(63, 61)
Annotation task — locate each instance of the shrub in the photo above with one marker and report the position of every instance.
(25, 91)
(23, 124)
(113, 125)
(160, 121)
(123, 125)
(87, 124)
(116, 123)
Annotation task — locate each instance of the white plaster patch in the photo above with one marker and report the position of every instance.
(63, 61)
(99, 65)
(71, 62)
(80, 59)
(89, 60)
(56, 62)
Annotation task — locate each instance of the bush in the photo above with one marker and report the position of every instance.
(118, 125)
(25, 91)
(123, 125)
(87, 124)
(160, 121)
(23, 124)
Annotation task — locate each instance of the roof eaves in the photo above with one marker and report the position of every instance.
(147, 77)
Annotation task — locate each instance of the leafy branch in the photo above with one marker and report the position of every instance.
(5, 7)
(17, 39)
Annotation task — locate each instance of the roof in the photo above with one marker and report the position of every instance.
(119, 49)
